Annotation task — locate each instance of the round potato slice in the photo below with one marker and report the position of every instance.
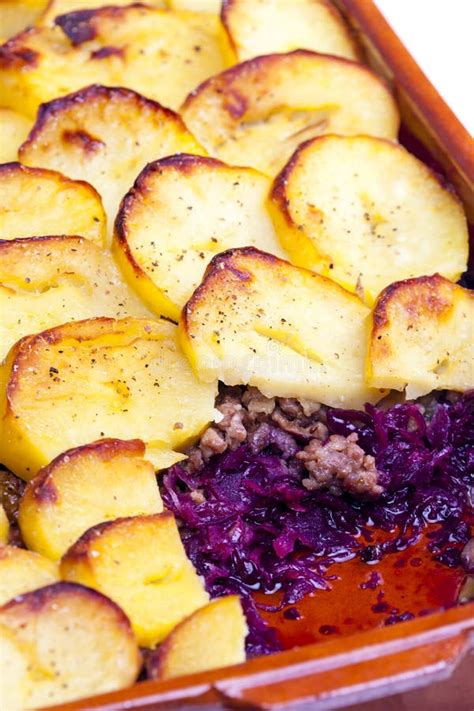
(105, 136)
(48, 203)
(160, 53)
(261, 321)
(258, 112)
(349, 208)
(22, 571)
(422, 337)
(99, 378)
(84, 486)
(45, 281)
(141, 564)
(257, 27)
(15, 129)
(76, 643)
(212, 637)
(182, 211)
(4, 526)
(54, 8)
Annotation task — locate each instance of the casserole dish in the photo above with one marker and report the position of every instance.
(372, 663)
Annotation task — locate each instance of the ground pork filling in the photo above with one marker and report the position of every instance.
(334, 462)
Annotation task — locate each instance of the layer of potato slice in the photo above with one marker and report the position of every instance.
(45, 281)
(141, 564)
(349, 208)
(268, 26)
(4, 526)
(15, 129)
(37, 201)
(258, 112)
(75, 642)
(17, 15)
(212, 637)
(82, 487)
(182, 211)
(105, 136)
(22, 571)
(160, 53)
(97, 378)
(422, 337)
(55, 8)
(259, 320)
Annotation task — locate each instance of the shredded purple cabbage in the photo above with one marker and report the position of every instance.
(253, 526)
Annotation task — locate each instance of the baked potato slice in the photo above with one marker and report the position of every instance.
(75, 641)
(258, 320)
(422, 337)
(269, 26)
(4, 526)
(212, 637)
(36, 201)
(55, 8)
(182, 211)
(87, 136)
(22, 571)
(140, 563)
(349, 208)
(45, 281)
(15, 129)
(95, 379)
(17, 15)
(98, 482)
(161, 54)
(258, 112)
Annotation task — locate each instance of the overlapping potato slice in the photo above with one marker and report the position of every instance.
(22, 571)
(85, 486)
(268, 26)
(212, 637)
(36, 201)
(99, 378)
(350, 207)
(258, 112)
(17, 15)
(422, 337)
(105, 136)
(160, 53)
(141, 564)
(182, 211)
(55, 8)
(15, 129)
(73, 642)
(4, 526)
(259, 320)
(45, 281)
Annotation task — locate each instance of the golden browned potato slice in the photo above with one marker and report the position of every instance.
(258, 112)
(4, 526)
(99, 378)
(259, 320)
(36, 201)
(17, 15)
(105, 136)
(85, 486)
(76, 643)
(45, 281)
(15, 677)
(422, 337)
(182, 211)
(159, 53)
(54, 8)
(14, 130)
(141, 564)
(212, 637)
(349, 208)
(257, 27)
(22, 571)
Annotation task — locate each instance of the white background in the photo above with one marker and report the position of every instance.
(440, 36)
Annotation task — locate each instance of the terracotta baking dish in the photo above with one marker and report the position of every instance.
(379, 661)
